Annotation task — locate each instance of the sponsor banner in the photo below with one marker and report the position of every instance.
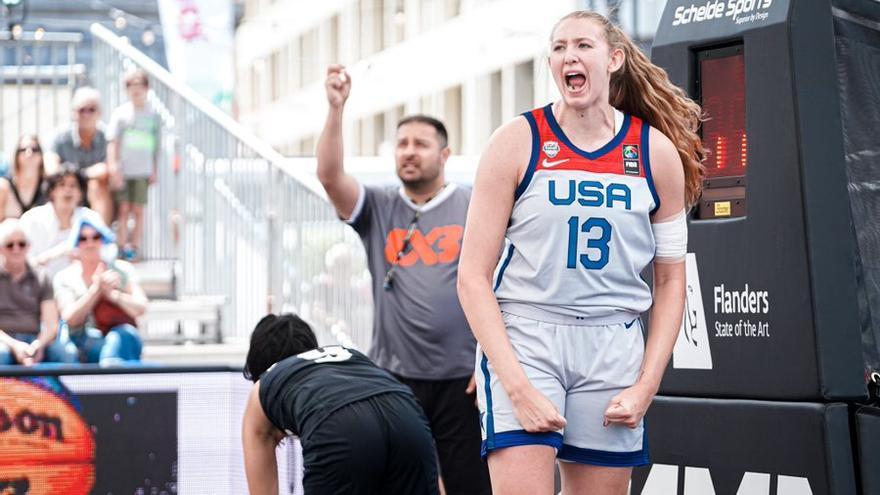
(772, 308)
(685, 20)
(199, 46)
(739, 447)
(141, 431)
(692, 349)
(52, 441)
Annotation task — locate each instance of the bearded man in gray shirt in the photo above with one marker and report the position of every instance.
(412, 236)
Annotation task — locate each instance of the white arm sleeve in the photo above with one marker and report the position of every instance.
(670, 239)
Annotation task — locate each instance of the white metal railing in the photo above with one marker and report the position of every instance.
(242, 222)
(38, 72)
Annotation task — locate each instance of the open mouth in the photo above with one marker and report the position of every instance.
(575, 81)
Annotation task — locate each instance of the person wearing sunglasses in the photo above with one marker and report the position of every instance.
(50, 226)
(96, 284)
(26, 187)
(412, 236)
(84, 143)
(362, 431)
(28, 313)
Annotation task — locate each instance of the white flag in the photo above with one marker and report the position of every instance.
(199, 46)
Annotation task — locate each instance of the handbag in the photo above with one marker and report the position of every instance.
(108, 314)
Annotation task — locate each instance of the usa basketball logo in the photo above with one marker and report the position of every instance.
(551, 148)
(631, 151)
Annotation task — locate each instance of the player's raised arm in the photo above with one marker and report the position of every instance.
(259, 438)
(342, 189)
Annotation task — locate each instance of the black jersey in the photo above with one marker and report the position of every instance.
(300, 392)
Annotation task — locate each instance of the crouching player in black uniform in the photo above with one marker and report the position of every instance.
(362, 432)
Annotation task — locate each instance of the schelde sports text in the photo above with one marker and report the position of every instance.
(717, 9)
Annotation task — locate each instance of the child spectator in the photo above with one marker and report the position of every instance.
(133, 154)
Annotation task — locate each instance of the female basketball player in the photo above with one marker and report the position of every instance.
(586, 192)
(362, 431)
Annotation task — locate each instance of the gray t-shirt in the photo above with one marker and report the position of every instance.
(138, 133)
(69, 147)
(20, 301)
(419, 328)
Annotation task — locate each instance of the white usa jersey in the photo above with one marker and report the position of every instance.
(580, 231)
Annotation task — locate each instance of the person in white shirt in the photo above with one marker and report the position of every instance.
(49, 226)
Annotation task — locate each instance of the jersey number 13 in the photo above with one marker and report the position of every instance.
(600, 244)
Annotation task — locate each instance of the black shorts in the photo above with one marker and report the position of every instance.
(455, 422)
(378, 445)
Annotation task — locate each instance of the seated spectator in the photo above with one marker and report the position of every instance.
(28, 314)
(85, 145)
(49, 226)
(100, 298)
(25, 187)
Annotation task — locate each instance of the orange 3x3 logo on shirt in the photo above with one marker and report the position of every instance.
(441, 245)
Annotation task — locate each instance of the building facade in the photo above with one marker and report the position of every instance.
(473, 63)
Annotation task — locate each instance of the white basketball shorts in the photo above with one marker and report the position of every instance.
(579, 368)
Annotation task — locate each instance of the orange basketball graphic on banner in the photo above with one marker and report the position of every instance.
(45, 445)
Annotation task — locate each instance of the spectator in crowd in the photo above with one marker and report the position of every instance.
(49, 226)
(28, 314)
(133, 156)
(100, 298)
(412, 235)
(339, 293)
(25, 187)
(85, 145)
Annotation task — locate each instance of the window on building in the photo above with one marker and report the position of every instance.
(495, 100)
(307, 146)
(397, 13)
(452, 8)
(452, 117)
(256, 83)
(308, 57)
(426, 105)
(372, 27)
(293, 65)
(378, 26)
(251, 8)
(333, 39)
(275, 76)
(430, 13)
(524, 87)
(378, 133)
(355, 142)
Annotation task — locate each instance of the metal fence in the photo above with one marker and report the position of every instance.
(38, 73)
(242, 222)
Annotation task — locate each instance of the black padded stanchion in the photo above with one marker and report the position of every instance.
(773, 295)
(727, 447)
(868, 438)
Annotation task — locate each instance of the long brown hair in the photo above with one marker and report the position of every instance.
(16, 166)
(642, 89)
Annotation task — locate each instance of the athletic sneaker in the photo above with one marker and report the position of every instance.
(129, 253)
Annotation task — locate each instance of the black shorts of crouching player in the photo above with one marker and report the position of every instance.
(362, 432)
